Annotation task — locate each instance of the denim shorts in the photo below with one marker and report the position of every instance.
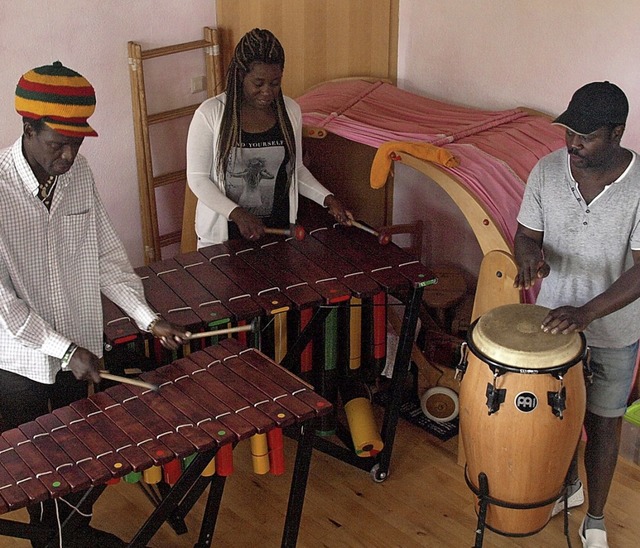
(613, 370)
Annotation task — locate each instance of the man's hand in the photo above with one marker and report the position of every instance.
(530, 269)
(171, 336)
(566, 319)
(529, 258)
(85, 365)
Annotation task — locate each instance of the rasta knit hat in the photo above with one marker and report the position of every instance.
(593, 106)
(60, 96)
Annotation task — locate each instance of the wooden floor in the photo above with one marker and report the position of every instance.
(423, 503)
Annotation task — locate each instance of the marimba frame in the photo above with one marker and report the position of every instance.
(303, 407)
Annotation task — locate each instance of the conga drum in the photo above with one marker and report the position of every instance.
(522, 405)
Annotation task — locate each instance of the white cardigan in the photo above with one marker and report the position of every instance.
(214, 208)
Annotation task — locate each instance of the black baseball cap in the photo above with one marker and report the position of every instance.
(595, 105)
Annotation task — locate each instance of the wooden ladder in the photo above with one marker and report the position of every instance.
(148, 182)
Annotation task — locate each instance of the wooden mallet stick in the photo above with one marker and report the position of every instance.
(295, 231)
(127, 380)
(383, 238)
(228, 330)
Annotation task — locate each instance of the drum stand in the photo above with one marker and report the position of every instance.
(482, 492)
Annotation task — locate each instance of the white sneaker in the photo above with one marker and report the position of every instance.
(574, 500)
(592, 538)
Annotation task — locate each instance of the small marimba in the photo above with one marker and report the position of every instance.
(205, 402)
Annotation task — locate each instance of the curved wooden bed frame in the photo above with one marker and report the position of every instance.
(494, 285)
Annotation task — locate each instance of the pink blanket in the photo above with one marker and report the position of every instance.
(496, 149)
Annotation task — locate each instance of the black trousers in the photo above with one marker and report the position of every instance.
(23, 400)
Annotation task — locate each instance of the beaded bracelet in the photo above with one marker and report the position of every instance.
(68, 355)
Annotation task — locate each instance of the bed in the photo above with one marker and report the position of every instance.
(480, 158)
(496, 149)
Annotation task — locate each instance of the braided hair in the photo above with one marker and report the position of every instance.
(256, 46)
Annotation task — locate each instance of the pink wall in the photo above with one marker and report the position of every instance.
(500, 54)
(505, 53)
(91, 37)
(485, 53)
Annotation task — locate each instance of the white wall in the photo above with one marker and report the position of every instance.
(90, 36)
(505, 53)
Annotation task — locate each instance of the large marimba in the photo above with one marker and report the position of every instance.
(297, 287)
(205, 402)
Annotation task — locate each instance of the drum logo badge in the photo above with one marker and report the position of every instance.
(526, 402)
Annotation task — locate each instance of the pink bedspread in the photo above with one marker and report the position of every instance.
(497, 149)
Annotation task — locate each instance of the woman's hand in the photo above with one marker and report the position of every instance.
(337, 210)
(250, 226)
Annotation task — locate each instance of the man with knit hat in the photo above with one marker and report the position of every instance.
(58, 253)
(579, 230)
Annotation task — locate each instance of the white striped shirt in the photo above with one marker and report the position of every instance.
(53, 266)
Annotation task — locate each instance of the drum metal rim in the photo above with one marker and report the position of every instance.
(556, 369)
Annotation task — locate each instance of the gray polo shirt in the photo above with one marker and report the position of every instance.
(587, 247)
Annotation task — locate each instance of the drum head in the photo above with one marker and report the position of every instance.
(512, 335)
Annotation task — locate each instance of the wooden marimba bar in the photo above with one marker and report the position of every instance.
(327, 270)
(119, 329)
(207, 401)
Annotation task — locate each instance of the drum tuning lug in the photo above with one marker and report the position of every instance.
(462, 364)
(495, 397)
(557, 402)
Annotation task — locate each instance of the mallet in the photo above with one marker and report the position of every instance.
(239, 329)
(383, 239)
(126, 380)
(295, 231)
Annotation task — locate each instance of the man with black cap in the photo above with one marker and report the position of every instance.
(579, 229)
(58, 253)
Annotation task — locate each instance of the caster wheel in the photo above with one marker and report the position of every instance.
(377, 475)
(440, 404)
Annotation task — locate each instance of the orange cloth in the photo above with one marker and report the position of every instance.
(382, 161)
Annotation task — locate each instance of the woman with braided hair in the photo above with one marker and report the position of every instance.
(244, 151)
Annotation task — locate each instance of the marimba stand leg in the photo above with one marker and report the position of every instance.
(401, 368)
(298, 486)
(175, 520)
(40, 532)
(191, 498)
(210, 517)
(189, 487)
(169, 504)
(291, 360)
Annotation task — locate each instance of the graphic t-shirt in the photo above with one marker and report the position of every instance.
(256, 178)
